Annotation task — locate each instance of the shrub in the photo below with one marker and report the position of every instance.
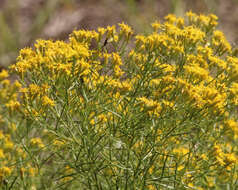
(112, 110)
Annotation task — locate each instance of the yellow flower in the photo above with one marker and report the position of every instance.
(191, 185)
(196, 72)
(110, 31)
(151, 187)
(170, 18)
(1, 135)
(5, 171)
(34, 89)
(46, 101)
(140, 39)
(37, 142)
(101, 30)
(193, 35)
(151, 169)
(219, 63)
(156, 25)
(8, 145)
(3, 74)
(191, 16)
(180, 168)
(150, 104)
(12, 105)
(204, 157)
(2, 154)
(17, 84)
(220, 42)
(213, 20)
(58, 143)
(181, 151)
(210, 181)
(234, 89)
(125, 30)
(230, 158)
(180, 22)
(116, 59)
(84, 35)
(32, 171)
(22, 172)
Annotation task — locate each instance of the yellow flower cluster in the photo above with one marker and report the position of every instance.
(154, 111)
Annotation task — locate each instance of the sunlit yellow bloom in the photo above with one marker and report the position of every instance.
(1, 135)
(181, 151)
(110, 31)
(34, 89)
(3, 74)
(13, 105)
(180, 22)
(191, 16)
(5, 171)
(197, 72)
(156, 25)
(151, 187)
(230, 158)
(46, 101)
(2, 154)
(180, 168)
(101, 30)
(220, 42)
(58, 143)
(171, 18)
(32, 171)
(125, 30)
(37, 142)
(8, 145)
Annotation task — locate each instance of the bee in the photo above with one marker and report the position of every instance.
(105, 42)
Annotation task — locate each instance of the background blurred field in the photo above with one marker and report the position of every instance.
(23, 21)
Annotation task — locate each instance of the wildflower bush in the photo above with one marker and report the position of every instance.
(113, 110)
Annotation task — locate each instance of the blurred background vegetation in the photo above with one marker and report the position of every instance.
(23, 21)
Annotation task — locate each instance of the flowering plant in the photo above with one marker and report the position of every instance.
(113, 110)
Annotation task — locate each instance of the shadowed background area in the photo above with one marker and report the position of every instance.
(23, 21)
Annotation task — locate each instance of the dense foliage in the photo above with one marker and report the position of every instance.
(113, 110)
